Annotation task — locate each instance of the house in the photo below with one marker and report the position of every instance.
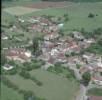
(7, 67)
(4, 36)
(95, 98)
(97, 80)
(60, 25)
(19, 54)
(77, 35)
(84, 69)
(21, 20)
(51, 36)
(97, 77)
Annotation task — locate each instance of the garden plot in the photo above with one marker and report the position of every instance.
(20, 10)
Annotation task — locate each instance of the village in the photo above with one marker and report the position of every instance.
(55, 48)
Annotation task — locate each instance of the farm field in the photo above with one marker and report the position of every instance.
(43, 35)
(19, 10)
(54, 87)
(9, 94)
(78, 15)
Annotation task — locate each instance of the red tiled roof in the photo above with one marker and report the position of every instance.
(95, 98)
(97, 78)
(16, 52)
(84, 69)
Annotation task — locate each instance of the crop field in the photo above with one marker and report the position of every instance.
(45, 5)
(54, 87)
(9, 94)
(19, 10)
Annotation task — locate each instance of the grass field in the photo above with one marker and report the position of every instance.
(19, 10)
(17, 3)
(9, 94)
(54, 87)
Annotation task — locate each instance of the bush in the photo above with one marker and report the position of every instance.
(9, 84)
(78, 66)
(24, 74)
(13, 71)
(36, 81)
(28, 95)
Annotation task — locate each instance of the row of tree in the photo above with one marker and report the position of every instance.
(26, 75)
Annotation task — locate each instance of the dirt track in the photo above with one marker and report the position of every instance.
(44, 5)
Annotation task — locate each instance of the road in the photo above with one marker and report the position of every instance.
(82, 93)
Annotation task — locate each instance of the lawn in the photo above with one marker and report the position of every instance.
(9, 94)
(54, 87)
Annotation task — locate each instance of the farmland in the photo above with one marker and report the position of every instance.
(57, 86)
(19, 10)
(9, 94)
(44, 46)
(78, 15)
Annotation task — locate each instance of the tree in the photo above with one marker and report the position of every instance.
(35, 44)
(78, 66)
(3, 59)
(66, 19)
(65, 15)
(86, 78)
(91, 15)
(61, 32)
(24, 74)
(28, 95)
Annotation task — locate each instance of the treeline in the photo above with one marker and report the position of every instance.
(76, 0)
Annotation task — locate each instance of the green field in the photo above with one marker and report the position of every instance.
(54, 87)
(17, 3)
(9, 94)
(78, 15)
(95, 91)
